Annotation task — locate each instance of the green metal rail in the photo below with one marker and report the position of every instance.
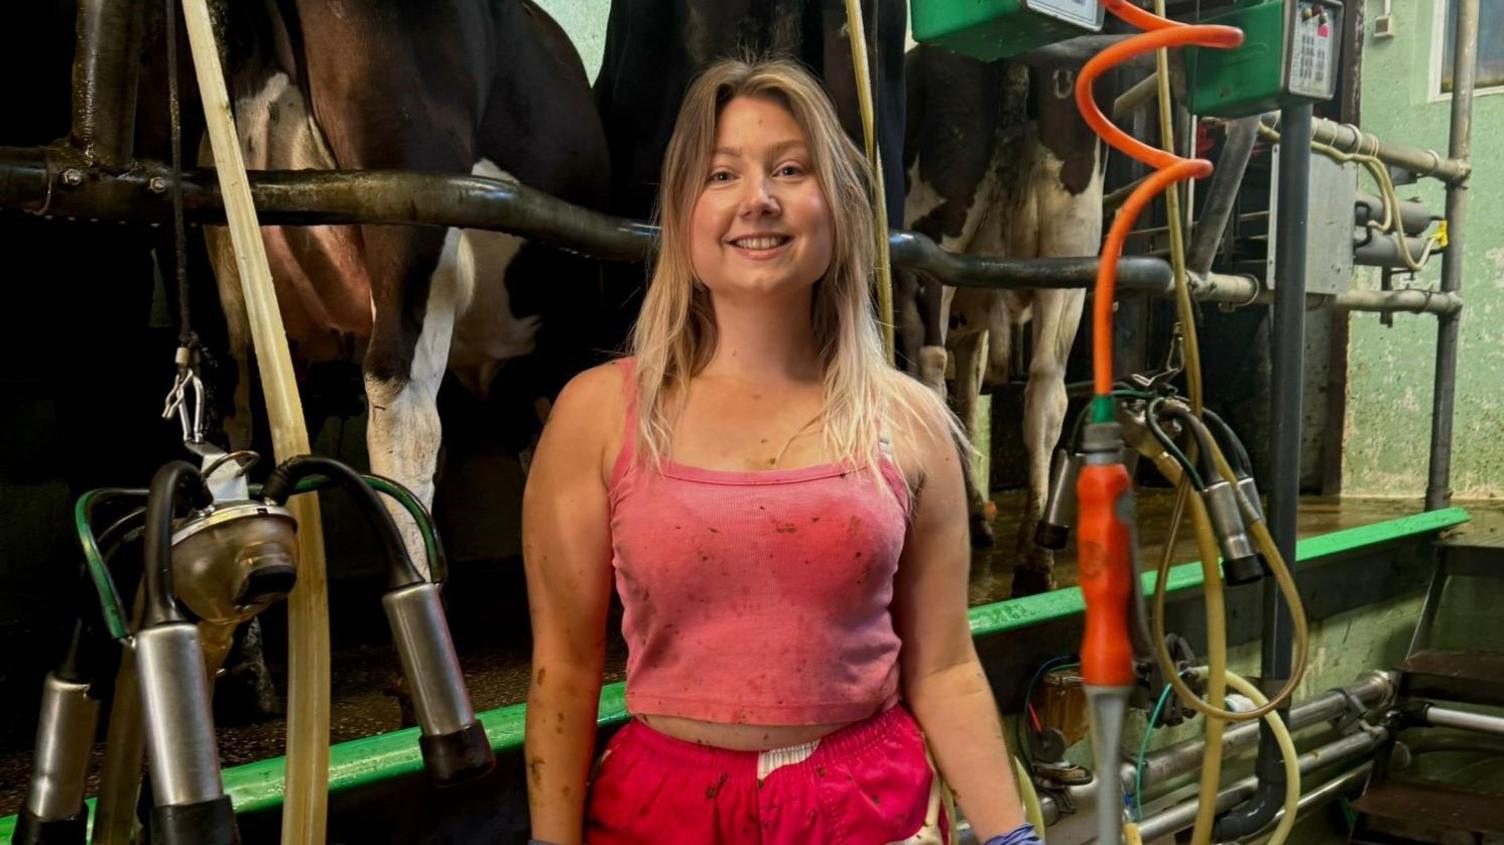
(258, 786)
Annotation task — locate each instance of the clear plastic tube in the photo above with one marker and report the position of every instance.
(304, 815)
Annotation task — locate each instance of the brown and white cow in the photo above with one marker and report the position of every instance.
(999, 163)
(486, 87)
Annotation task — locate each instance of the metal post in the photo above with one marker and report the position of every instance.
(1464, 73)
(1288, 344)
(106, 67)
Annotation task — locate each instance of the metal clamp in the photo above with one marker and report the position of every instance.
(1352, 714)
(177, 403)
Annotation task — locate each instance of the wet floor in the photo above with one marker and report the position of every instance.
(496, 661)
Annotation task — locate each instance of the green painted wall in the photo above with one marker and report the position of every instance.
(585, 21)
(1391, 369)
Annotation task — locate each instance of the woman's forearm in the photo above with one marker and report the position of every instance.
(958, 714)
(562, 703)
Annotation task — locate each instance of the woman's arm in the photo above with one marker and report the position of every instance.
(943, 680)
(566, 550)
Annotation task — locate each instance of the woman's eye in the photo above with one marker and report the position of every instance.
(720, 176)
(790, 170)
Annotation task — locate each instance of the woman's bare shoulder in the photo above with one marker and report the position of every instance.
(589, 414)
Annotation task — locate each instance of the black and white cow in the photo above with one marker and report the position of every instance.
(487, 87)
(999, 163)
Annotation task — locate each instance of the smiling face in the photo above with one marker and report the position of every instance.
(761, 224)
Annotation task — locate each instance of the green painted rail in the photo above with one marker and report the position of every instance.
(258, 786)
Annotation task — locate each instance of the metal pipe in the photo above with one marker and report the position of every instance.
(1183, 815)
(1136, 96)
(1077, 51)
(1113, 199)
(1376, 250)
(1222, 193)
(1464, 75)
(1350, 139)
(1414, 216)
(914, 251)
(1371, 690)
(1178, 819)
(106, 69)
(1335, 788)
(338, 197)
(1288, 347)
(1446, 717)
(1413, 300)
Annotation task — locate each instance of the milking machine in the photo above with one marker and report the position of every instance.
(1090, 488)
(218, 551)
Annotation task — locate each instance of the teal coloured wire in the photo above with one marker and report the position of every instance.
(1143, 752)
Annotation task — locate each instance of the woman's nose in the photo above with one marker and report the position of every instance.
(758, 199)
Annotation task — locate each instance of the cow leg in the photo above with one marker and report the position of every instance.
(970, 349)
(237, 419)
(1056, 315)
(910, 328)
(403, 369)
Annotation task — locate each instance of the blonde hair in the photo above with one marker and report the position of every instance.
(675, 334)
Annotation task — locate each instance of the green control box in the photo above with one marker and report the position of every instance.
(1289, 55)
(997, 29)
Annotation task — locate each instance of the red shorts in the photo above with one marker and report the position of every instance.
(867, 784)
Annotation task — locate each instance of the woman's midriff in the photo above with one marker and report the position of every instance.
(740, 737)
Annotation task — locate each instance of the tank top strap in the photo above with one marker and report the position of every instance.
(628, 452)
(891, 471)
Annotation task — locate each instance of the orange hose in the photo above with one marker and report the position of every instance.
(1170, 168)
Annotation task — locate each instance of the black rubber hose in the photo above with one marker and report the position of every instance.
(1204, 439)
(81, 661)
(1268, 797)
(172, 479)
(279, 486)
(1240, 460)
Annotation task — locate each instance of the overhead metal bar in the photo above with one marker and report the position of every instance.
(52, 181)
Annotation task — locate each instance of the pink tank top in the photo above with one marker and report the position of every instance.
(757, 597)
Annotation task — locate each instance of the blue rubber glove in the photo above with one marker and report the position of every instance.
(1024, 834)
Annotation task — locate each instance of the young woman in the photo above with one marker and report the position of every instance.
(784, 518)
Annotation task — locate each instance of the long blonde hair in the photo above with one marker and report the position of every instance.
(675, 334)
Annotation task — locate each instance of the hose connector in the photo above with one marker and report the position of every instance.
(454, 743)
(190, 804)
(1254, 509)
(1054, 528)
(1241, 562)
(55, 813)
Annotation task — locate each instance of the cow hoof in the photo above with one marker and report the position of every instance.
(1029, 582)
(932, 365)
(398, 689)
(246, 695)
(982, 536)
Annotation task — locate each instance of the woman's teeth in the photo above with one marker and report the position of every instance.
(760, 243)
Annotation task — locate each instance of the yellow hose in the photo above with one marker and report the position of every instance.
(857, 33)
(1216, 621)
(1216, 654)
(306, 787)
(1033, 812)
(1282, 576)
(1281, 734)
(124, 751)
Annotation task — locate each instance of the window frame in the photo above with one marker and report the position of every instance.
(1434, 94)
